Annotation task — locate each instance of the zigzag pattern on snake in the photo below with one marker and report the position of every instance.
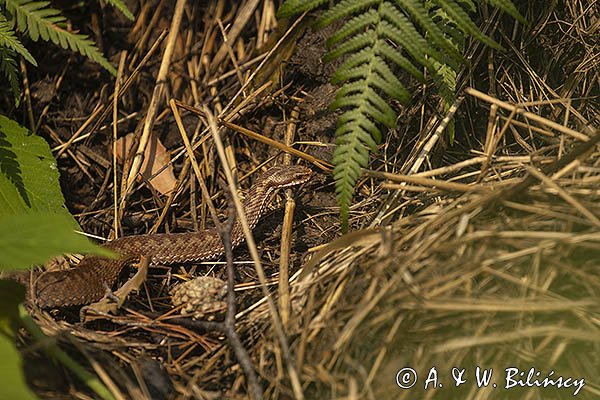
(89, 280)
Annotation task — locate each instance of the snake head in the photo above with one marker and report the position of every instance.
(282, 176)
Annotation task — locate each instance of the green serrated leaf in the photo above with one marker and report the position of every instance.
(11, 372)
(386, 51)
(418, 12)
(385, 80)
(343, 9)
(357, 128)
(8, 66)
(12, 379)
(356, 43)
(374, 39)
(348, 119)
(28, 173)
(464, 23)
(34, 238)
(9, 40)
(354, 25)
(509, 7)
(38, 20)
(347, 70)
(415, 45)
(119, 5)
(292, 7)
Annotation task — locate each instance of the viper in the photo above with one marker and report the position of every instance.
(90, 279)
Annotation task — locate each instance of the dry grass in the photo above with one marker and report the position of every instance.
(483, 253)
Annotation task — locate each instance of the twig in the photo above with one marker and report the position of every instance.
(157, 95)
(277, 326)
(234, 340)
(286, 230)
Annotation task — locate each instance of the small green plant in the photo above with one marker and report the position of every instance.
(38, 20)
(34, 227)
(377, 38)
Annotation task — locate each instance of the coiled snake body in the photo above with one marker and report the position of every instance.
(89, 281)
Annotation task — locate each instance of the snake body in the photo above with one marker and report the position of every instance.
(90, 279)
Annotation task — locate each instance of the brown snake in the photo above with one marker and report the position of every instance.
(89, 281)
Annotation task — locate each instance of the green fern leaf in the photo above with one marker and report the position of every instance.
(348, 159)
(419, 53)
(386, 51)
(385, 80)
(361, 131)
(382, 77)
(343, 9)
(8, 66)
(119, 5)
(292, 7)
(355, 44)
(351, 149)
(351, 117)
(418, 12)
(463, 22)
(345, 70)
(39, 21)
(369, 101)
(377, 36)
(9, 40)
(354, 25)
(508, 7)
(412, 42)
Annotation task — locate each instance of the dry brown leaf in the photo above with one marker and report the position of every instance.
(155, 157)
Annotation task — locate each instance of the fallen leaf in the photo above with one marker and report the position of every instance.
(155, 157)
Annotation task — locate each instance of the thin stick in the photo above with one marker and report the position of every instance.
(157, 95)
(286, 231)
(566, 196)
(234, 340)
(325, 166)
(114, 143)
(102, 110)
(293, 374)
(528, 115)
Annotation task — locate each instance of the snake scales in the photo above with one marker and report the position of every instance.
(89, 281)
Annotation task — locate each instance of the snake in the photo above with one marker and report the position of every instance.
(90, 280)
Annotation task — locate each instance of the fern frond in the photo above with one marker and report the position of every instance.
(349, 157)
(353, 26)
(343, 9)
(9, 40)
(508, 7)
(8, 66)
(416, 10)
(376, 37)
(386, 51)
(419, 53)
(351, 118)
(385, 80)
(355, 44)
(362, 131)
(463, 22)
(292, 7)
(40, 21)
(119, 5)
(370, 107)
(381, 78)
